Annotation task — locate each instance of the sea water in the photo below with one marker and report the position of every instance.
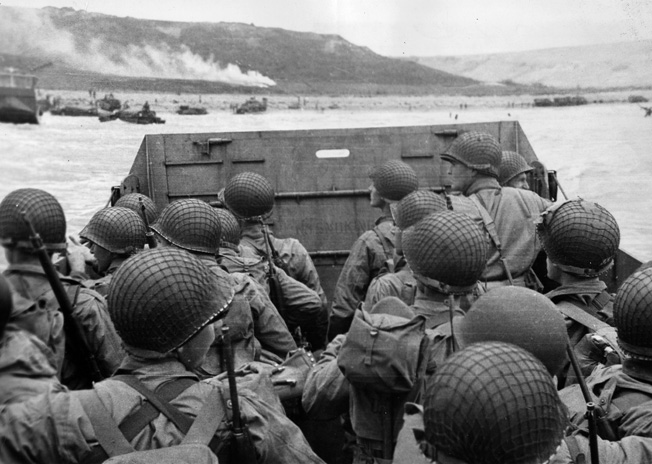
(601, 152)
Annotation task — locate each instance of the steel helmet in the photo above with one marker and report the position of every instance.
(119, 230)
(633, 314)
(190, 224)
(249, 195)
(134, 201)
(446, 246)
(230, 228)
(580, 237)
(394, 180)
(43, 211)
(511, 165)
(522, 317)
(160, 298)
(475, 150)
(417, 205)
(493, 403)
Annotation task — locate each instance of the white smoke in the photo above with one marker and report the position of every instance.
(31, 32)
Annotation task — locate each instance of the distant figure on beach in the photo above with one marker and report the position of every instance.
(456, 117)
(146, 107)
(648, 111)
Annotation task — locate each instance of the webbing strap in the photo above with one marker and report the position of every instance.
(208, 420)
(135, 422)
(580, 315)
(106, 430)
(179, 419)
(601, 300)
(385, 243)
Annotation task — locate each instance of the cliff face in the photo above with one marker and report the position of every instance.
(127, 50)
(625, 64)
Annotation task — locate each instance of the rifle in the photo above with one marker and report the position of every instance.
(244, 451)
(594, 414)
(275, 289)
(149, 235)
(74, 330)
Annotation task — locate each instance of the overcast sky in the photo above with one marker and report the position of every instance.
(409, 27)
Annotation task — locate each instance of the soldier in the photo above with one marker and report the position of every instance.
(136, 202)
(28, 279)
(447, 252)
(27, 365)
(581, 240)
(114, 234)
(624, 391)
(164, 303)
(250, 198)
(474, 159)
(193, 225)
(492, 403)
(390, 182)
(401, 283)
(269, 327)
(513, 171)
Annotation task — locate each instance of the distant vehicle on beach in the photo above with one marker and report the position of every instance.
(18, 98)
(561, 101)
(252, 106)
(191, 110)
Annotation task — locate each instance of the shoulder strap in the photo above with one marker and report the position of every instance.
(208, 420)
(385, 243)
(488, 221)
(106, 430)
(135, 422)
(579, 314)
(180, 420)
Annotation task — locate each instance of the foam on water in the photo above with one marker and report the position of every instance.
(601, 152)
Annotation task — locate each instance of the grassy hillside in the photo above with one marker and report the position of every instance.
(91, 49)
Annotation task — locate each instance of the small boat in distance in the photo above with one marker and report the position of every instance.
(18, 97)
(252, 106)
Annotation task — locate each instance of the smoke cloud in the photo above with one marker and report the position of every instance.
(31, 32)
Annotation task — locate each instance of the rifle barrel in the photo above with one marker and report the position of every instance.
(75, 330)
(230, 374)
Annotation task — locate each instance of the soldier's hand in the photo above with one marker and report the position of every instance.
(78, 255)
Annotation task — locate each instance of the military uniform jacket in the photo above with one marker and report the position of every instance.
(366, 258)
(514, 212)
(54, 427)
(46, 322)
(27, 366)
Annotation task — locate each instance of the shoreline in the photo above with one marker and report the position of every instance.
(170, 102)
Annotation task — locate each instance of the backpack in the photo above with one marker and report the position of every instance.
(199, 445)
(382, 352)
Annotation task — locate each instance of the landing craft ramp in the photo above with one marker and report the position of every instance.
(320, 176)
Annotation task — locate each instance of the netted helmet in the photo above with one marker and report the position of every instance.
(580, 237)
(190, 224)
(133, 201)
(511, 165)
(159, 299)
(448, 247)
(475, 150)
(119, 230)
(493, 403)
(230, 228)
(44, 212)
(416, 206)
(522, 317)
(6, 303)
(249, 195)
(633, 314)
(394, 180)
